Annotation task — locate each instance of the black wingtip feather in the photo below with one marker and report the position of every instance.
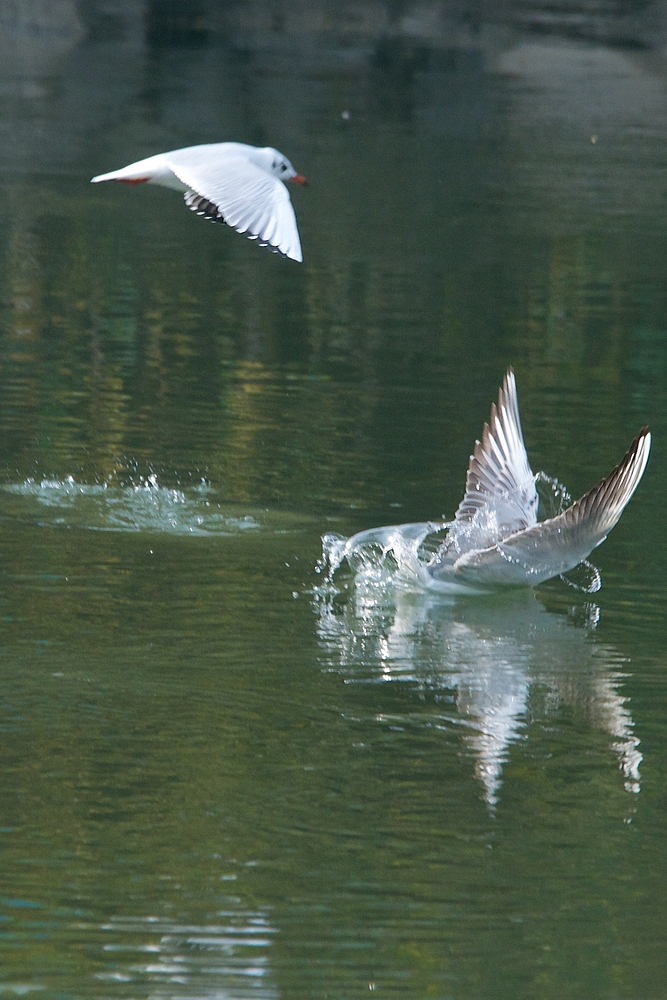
(203, 207)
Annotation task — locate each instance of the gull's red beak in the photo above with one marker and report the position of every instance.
(299, 179)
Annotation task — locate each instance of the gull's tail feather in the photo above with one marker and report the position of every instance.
(103, 177)
(135, 173)
(560, 543)
(117, 175)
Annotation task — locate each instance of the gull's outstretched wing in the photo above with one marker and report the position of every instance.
(560, 543)
(234, 190)
(500, 496)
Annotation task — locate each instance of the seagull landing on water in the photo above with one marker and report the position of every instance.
(228, 182)
(496, 538)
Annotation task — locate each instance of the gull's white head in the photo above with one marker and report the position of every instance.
(278, 165)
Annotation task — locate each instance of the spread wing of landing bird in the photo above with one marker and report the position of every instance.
(496, 537)
(228, 182)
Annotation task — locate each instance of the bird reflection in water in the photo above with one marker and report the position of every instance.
(493, 653)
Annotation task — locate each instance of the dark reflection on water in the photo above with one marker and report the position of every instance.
(215, 782)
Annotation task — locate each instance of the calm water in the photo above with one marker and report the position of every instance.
(217, 779)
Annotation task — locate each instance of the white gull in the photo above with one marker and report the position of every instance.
(228, 182)
(495, 537)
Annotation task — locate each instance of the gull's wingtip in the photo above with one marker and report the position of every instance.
(638, 452)
(294, 252)
(642, 443)
(604, 504)
(645, 432)
(507, 393)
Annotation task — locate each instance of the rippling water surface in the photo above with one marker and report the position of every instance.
(223, 774)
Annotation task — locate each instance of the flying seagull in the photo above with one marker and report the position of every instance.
(228, 182)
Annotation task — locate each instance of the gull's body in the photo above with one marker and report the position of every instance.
(228, 182)
(496, 538)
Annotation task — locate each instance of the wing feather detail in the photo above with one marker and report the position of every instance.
(201, 206)
(560, 543)
(247, 198)
(500, 496)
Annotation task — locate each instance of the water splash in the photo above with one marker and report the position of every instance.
(141, 506)
(584, 577)
(554, 499)
(394, 556)
(553, 496)
(403, 556)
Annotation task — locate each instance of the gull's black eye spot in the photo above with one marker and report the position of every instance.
(283, 167)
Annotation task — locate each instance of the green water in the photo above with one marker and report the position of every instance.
(216, 780)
